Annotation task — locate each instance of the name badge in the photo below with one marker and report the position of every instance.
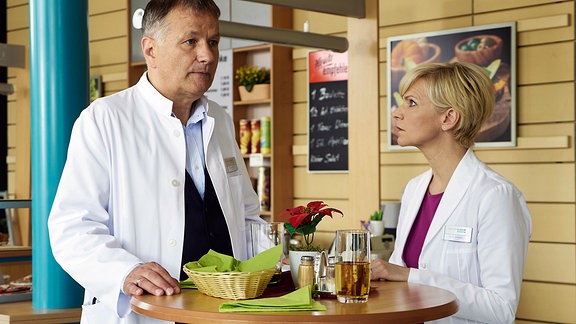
(230, 164)
(458, 234)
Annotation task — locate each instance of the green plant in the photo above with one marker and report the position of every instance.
(248, 76)
(377, 215)
(303, 220)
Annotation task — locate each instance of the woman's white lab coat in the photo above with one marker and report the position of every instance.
(476, 245)
(120, 201)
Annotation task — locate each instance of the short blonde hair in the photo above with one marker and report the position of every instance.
(465, 87)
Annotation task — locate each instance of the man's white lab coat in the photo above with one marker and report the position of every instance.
(120, 201)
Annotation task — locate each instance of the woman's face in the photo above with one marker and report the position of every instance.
(417, 122)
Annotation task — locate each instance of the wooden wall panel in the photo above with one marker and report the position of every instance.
(19, 37)
(301, 118)
(109, 25)
(540, 255)
(546, 63)
(553, 222)
(11, 3)
(17, 17)
(319, 185)
(497, 5)
(531, 24)
(300, 79)
(114, 86)
(549, 303)
(111, 72)
(403, 12)
(394, 178)
(541, 182)
(546, 103)
(99, 6)
(417, 27)
(100, 53)
(300, 63)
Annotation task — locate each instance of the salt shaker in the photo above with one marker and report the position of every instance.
(306, 271)
(330, 268)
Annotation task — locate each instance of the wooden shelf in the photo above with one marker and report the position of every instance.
(252, 102)
(279, 109)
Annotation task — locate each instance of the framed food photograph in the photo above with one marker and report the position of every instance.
(492, 47)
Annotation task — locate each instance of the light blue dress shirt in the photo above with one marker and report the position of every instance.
(195, 162)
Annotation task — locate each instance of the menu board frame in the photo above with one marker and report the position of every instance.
(327, 111)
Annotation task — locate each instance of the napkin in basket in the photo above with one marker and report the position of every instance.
(298, 300)
(218, 262)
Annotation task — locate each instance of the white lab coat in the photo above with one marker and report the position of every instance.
(120, 201)
(485, 274)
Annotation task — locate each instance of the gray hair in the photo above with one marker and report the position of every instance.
(157, 10)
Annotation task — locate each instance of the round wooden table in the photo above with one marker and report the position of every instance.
(388, 302)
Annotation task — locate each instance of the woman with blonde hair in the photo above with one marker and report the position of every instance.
(462, 227)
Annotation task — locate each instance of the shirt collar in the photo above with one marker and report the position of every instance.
(198, 111)
(163, 105)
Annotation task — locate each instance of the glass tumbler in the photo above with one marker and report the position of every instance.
(352, 270)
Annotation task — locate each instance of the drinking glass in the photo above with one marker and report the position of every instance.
(352, 270)
(268, 235)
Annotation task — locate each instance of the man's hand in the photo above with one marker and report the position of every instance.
(150, 277)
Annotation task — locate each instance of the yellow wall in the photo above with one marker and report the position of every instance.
(542, 164)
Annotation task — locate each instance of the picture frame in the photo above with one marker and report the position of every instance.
(497, 54)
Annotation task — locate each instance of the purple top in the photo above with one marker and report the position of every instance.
(415, 239)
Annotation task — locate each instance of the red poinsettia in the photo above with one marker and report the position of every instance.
(303, 220)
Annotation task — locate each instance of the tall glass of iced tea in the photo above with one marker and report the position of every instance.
(352, 270)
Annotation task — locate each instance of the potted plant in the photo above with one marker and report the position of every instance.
(303, 220)
(376, 223)
(253, 82)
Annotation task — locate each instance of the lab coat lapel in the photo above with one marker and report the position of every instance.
(455, 191)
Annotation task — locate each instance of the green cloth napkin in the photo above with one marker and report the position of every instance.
(263, 260)
(298, 300)
(188, 283)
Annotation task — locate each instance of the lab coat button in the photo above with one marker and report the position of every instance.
(176, 133)
(172, 242)
(423, 266)
(175, 183)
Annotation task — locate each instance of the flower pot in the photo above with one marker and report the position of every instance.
(295, 257)
(376, 228)
(259, 92)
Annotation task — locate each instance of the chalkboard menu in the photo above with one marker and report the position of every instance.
(327, 112)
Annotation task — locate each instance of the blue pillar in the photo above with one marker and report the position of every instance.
(59, 78)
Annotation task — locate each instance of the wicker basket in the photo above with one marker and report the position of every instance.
(231, 285)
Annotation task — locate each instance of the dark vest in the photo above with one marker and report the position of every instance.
(205, 227)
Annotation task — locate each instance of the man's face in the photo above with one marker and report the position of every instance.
(182, 65)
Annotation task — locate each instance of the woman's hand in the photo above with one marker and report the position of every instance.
(380, 269)
(150, 277)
